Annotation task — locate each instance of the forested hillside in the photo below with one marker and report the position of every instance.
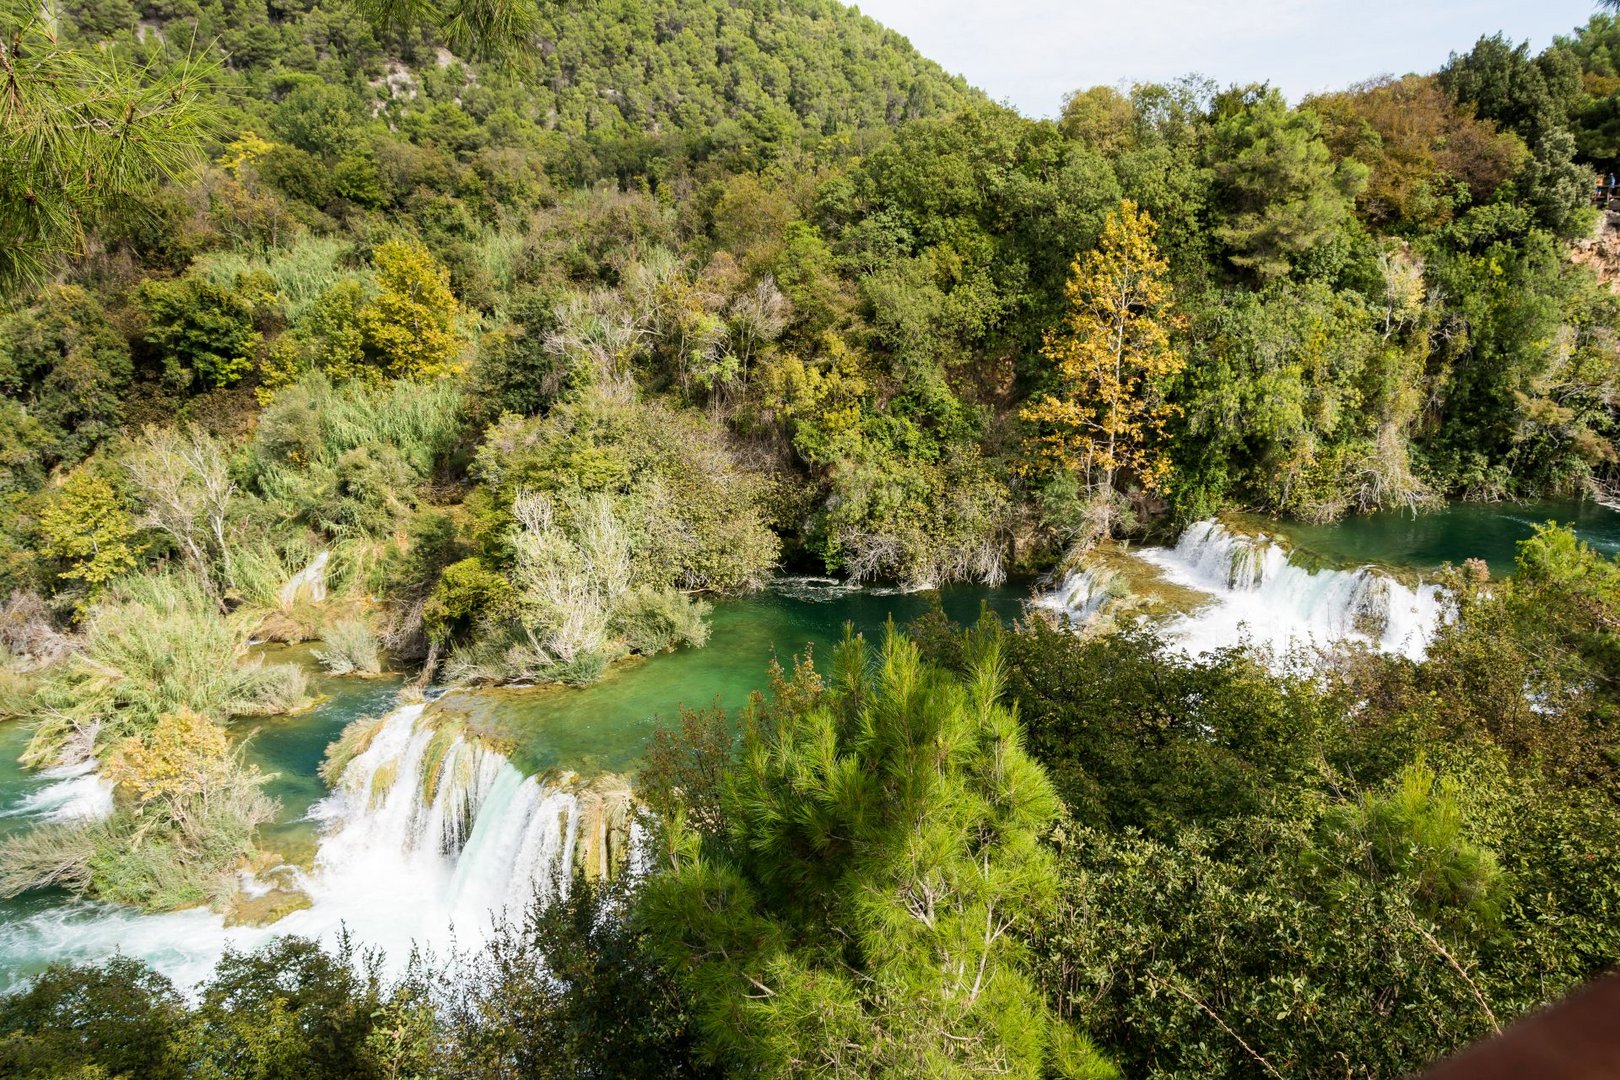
(496, 343)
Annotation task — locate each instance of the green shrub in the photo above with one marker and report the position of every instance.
(156, 644)
(350, 647)
(299, 272)
(695, 510)
(353, 463)
(650, 620)
(203, 332)
(116, 1018)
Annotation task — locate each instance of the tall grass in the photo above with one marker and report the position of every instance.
(155, 645)
(49, 856)
(146, 860)
(420, 421)
(350, 647)
(189, 862)
(301, 271)
(257, 574)
(16, 684)
(353, 741)
(351, 462)
(499, 253)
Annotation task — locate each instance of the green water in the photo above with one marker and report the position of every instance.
(1457, 531)
(603, 727)
(15, 781)
(290, 748)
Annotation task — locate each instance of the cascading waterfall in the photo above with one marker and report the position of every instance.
(1081, 595)
(1260, 596)
(424, 830)
(429, 838)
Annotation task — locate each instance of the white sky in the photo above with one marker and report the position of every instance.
(1032, 52)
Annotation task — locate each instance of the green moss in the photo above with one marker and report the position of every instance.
(355, 740)
(382, 780)
(445, 734)
(1135, 588)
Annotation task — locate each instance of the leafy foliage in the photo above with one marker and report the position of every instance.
(1113, 360)
(877, 862)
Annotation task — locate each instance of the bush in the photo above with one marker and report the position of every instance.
(656, 620)
(187, 811)
(156, 644)
(353, 463)
(695, 510)
(350, 647)
(916, 523)
(271, 689)
(116, 1018)
(203, 332)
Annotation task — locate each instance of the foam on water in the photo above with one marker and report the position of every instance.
(1259, 596)
(71, 793)
(393, 867)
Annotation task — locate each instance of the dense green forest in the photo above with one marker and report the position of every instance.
(496, 343)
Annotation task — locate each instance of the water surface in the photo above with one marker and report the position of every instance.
(1452, 533)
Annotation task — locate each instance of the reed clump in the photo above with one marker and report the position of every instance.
(350, 647)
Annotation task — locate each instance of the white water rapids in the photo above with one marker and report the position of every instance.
(73, 793)
(393, 868)
(1258, 595)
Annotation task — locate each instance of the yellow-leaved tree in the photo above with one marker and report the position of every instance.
(1104, 421)
(410, 325)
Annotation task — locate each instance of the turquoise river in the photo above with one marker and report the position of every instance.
(396, 872)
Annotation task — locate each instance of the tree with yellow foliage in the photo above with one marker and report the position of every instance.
(410, 325)
(185, 773)
(85, 527)
(1113, 357)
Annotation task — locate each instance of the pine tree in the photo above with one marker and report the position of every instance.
(860, 911)
(80, 130)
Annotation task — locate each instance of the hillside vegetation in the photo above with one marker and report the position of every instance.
(493, 342)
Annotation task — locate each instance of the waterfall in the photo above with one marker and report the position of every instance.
(429, 838)
(428, 826)
(1258, 594)
(1081, 595)
(308, 585)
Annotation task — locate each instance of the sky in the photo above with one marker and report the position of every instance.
(1032, 52)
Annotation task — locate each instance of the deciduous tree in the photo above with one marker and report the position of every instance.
(1112, 357)
(84, 524)
(410, 325)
